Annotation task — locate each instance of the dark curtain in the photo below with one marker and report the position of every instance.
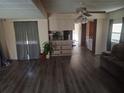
(20, 33)
(27, 40)
(33, 46)
(122, 32)
(109, 34)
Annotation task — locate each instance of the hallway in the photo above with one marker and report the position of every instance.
(79, 73)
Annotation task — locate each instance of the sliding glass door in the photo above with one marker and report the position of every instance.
(27, 40)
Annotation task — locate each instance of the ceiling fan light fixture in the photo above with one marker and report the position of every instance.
(84, 19)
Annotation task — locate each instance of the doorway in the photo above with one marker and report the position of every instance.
(91, 35)
(77, 34)
(27, 40)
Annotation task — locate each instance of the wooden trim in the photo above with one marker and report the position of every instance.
(96, 11)
(94, 36)
(41, 7)
(83, 35)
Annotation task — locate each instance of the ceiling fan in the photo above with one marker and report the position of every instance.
(83, 11)
(83, 14)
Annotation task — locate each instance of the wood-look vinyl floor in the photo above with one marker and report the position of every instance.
(79, 73)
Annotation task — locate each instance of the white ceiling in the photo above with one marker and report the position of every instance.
(27, 9)
(18, 9)
(71, 5)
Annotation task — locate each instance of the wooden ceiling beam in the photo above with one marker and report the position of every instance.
(41, 7)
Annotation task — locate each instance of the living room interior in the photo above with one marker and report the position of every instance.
(61, 46)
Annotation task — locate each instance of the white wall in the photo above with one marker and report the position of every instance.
(101, 36)
(117, 15)
(60, 22)
(97, 16)
(43, 31)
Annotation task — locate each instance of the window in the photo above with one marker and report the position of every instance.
(116, 32)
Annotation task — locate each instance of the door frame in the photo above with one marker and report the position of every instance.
(94, 37)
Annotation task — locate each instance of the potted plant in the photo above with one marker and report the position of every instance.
(47, 50)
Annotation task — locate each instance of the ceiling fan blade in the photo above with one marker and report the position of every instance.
(87, 14)
(79, 17)
(81, 9)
